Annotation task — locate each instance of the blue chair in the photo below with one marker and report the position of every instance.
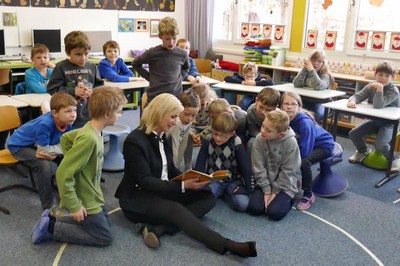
(327, 183)
(20, 88)
(113, 157)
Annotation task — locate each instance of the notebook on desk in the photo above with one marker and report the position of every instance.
(11, 58)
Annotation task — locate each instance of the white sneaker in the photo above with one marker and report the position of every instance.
(359, 156)
(395, 166)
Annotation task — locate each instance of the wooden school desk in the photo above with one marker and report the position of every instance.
(6, 100)
(323, 95)
(207, 80)
(34, 100)
(388, 114)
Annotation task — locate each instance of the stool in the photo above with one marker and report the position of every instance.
(113, 157)
(375, 160)
(327, 183)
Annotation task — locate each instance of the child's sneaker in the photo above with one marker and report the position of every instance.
(359, 156)
(395, 166)
(40, 231)
(45, 213)
(305, 203)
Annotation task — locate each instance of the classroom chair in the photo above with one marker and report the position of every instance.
(5, 76)
(20, 88)
(203, 66)
(10, 122)
(328, 183)
(113, 157)
(375, 160)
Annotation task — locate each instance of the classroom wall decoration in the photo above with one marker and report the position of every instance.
(255, 29)
(330, 40)
(312, 37)
(395, 42)
(378, 41)
(134, 5)
(279, 33)
(154, 27)
(361, 40)
(125, 25)
(9, 19)
(267, 30)
(244, 32)
(142, 25)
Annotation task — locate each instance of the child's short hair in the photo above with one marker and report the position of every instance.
(61, 100)
(269, 96)
(111, 44)
(250, 66)
(225, 122)
(189, 99)
(279, 119)
(385, 67)
(168, 25)
(39, 48)
(162, 105)
(105, 100)
(204, 92)
(76, 39)
(218, 106)
(182, 40)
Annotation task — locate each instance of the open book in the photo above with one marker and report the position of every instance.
(217, 175)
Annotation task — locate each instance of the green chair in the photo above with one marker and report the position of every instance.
(375, 160)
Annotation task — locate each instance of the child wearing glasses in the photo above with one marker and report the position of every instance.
(276, 164)
(315, 74)
(250, 76)
(223, 150)
(314, 142)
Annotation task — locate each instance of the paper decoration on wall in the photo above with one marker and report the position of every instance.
(376, 3)
(279, 33)
(326, 4)
(330, 40)
(312, 37)
(361, 40)
(245, 30)
(395, 42)
(255, 29)
(378, 41)
(267, 30)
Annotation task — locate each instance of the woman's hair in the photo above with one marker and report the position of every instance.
(105, 100)
(299, 102)
(162, 105)
(111, 44)
(385, 67)
(39, 48)
(225, 122)
(76, 39)
(320, 56)
(204, 92)
(190, 99)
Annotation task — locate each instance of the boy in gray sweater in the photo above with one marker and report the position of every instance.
(276, 167)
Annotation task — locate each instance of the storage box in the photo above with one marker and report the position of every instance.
(278, 56)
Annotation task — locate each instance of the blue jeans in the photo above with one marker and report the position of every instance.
(237, 201)
(316, 108)
(246, 101)
(43, 172)
(94, 230)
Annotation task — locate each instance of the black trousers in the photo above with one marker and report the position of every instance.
(317, 155)
(182, 211)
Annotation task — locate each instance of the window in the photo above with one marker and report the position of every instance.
(235, 20)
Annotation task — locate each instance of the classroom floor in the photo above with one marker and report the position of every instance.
(360, 227)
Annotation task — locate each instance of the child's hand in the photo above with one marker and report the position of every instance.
(376, 85)
(51, 65)
(192, 80)
(44, 156)
(266, 201)
(249, 82)
(308, 65)
(351, 104)
(80, 215)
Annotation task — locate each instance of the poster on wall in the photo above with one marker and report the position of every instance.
(279, 33)
(378, 41)
(43, 3)
(267, 31)
(125, 25)
(395, 42)
(154, 27)
(330, 40)
(255, 29)
(244, 32)
(142, 25)
(10, 19)
(312, 36)
(361, 40)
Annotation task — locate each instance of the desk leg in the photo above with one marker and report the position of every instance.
(388, 175)
(335, 116)
(324, 123)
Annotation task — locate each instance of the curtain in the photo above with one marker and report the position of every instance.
(199, 21)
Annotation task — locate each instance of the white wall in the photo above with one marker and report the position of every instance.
(68, 19)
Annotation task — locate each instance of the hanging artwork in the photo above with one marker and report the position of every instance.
(395, 42)
(142, 25)
(255, 29)
(330, 40)
(154, 27)
(378, 41)
(267, 29)
(361, 40)
(312, 36)
(245, 30)
(279, 33)
(125, 25)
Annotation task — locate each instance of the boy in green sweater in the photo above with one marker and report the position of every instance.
(78, 178)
